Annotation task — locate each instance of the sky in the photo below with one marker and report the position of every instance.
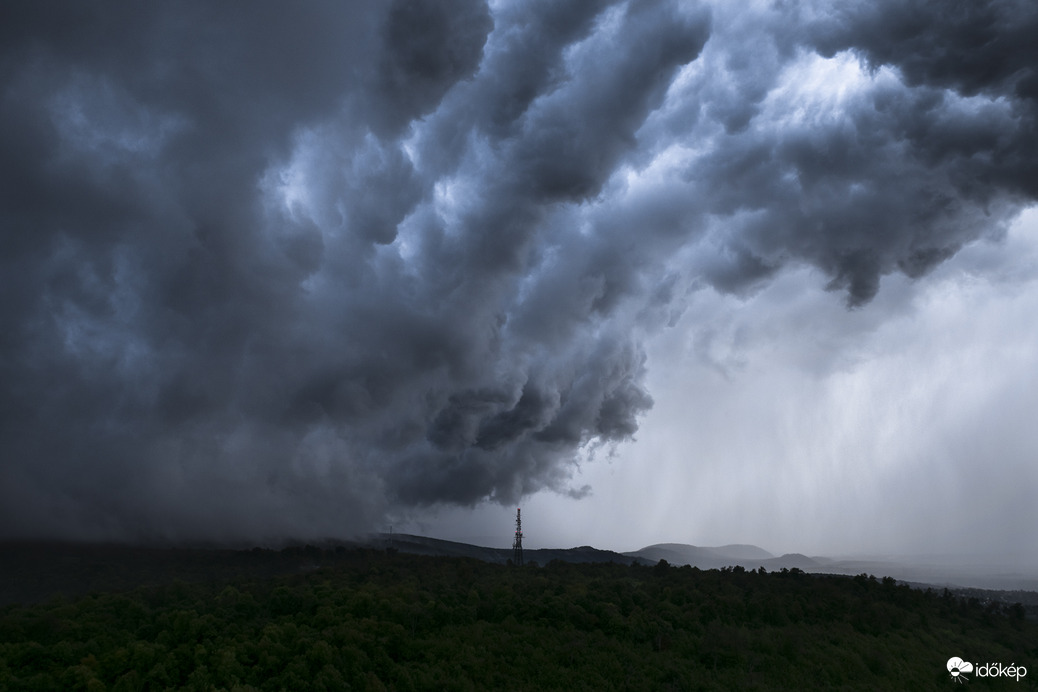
(710, 273)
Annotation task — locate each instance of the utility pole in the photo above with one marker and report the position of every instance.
(517, 545)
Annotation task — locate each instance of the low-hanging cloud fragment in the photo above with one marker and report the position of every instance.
(277, 272)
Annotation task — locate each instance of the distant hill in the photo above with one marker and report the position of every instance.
(748, 556)
(34, 571)
(423, 545)
(740, 551)
(677, 554)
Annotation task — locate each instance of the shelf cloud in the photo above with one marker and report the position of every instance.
(278, 270)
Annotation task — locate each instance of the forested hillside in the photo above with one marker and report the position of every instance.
(380, 620)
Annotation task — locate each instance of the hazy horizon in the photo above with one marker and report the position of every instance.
(654, 271)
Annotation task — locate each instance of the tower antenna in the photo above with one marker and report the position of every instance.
(517, 545)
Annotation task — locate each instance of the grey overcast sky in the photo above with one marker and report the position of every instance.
(759, 272)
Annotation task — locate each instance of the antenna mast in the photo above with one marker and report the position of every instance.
(517, 545)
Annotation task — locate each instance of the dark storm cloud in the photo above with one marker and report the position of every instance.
(969, 47)
(275, 270)
(913, 170)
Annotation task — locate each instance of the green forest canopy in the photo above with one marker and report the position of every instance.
(379, 620)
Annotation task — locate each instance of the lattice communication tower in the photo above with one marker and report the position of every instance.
(517, 544)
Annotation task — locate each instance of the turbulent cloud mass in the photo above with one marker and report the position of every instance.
(278, 269)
